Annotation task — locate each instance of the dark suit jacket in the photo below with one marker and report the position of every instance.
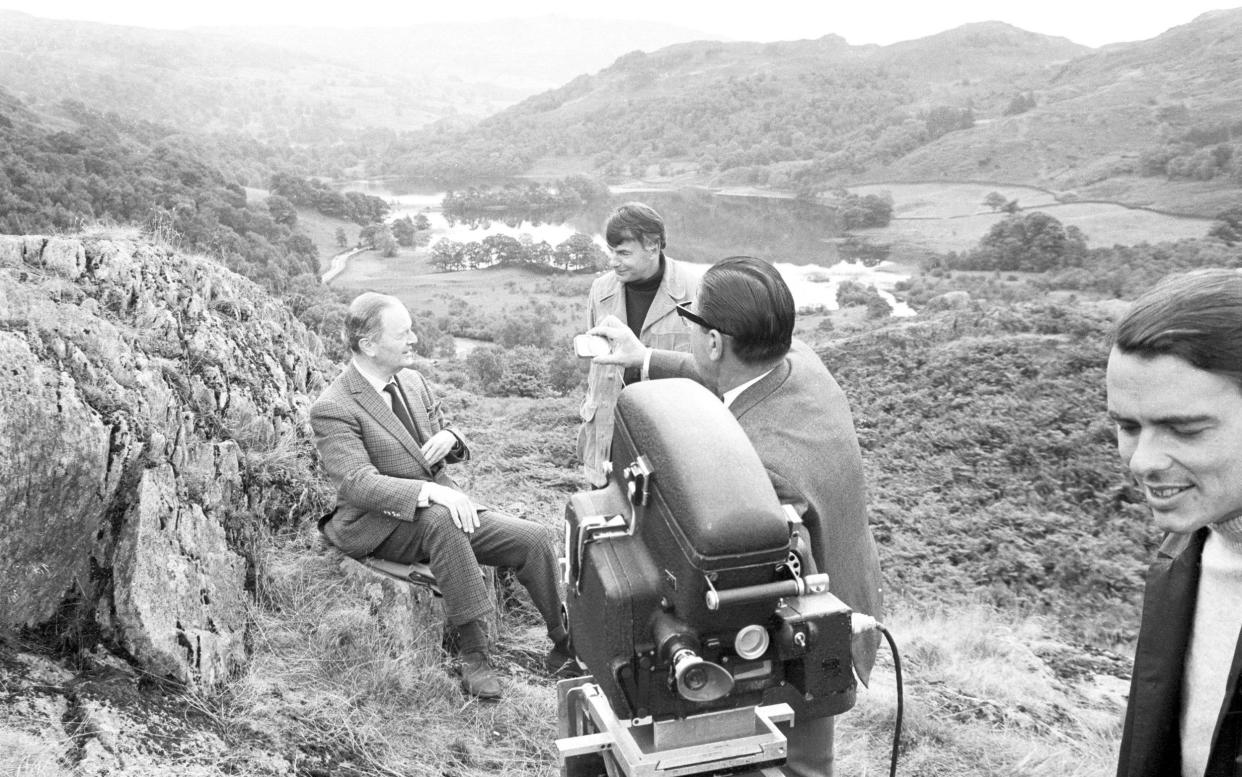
(798, 419)
(377, 467)
(1151, 740)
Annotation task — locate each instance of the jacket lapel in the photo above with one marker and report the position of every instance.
(370, 401)
(418, 411)
(1168, 611)
(664, 304)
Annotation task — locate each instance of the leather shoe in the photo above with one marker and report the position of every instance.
(478, 678)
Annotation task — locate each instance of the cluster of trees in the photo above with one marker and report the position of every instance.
(854, 294)
(567, 194)
(1228, 227)
(576, 253)
(1057, 260)
(386, 237)
(1024, 242)
(525, 371)
(106, 169)
(1021, 103)
(1203, 153)
(526, 358)
(862, 211)
(362, 209)
(1124, 271)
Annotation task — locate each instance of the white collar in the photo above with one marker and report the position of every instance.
(376, 382)
(733, 393)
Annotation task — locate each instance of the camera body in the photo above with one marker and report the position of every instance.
(687, 590)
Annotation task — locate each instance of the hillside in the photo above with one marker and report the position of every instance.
(1010, 549)
(306, 85)
(1107, 125)
(210, 83)
(982, 102)
(720, 107)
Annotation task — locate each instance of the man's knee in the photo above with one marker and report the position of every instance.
(437, 521)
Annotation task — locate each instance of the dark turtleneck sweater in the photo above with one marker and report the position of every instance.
(638, 298)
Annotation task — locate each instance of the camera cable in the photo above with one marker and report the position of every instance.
(892, 645)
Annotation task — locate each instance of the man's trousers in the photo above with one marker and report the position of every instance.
(454, 557)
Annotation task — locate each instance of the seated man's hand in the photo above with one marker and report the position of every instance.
(465, 517)
(627, 350)
(439, 446)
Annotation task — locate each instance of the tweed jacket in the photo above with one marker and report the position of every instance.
(799, 421)
(376, 466)
(1151, 740)
(662, 328)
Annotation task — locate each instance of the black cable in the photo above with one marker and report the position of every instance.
(892, 645)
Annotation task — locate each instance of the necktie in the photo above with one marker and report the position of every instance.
(399, 409)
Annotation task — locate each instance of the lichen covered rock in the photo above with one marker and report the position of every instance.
(150, 405)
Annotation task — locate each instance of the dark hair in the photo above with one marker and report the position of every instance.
(1195, 316)
(749, 299)
(362, 319)
(634, 221)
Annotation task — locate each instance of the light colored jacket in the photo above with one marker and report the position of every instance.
(662, 328)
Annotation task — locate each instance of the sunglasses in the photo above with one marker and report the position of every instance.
(683, 310)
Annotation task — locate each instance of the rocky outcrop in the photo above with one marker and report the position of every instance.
(152, 422)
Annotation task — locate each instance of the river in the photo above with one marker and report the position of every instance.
(799, 238)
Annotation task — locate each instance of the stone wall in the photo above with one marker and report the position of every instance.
(143, 395)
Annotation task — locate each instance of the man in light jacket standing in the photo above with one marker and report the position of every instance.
(641, 289)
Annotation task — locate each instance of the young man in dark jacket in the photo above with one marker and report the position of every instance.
(1175, 393)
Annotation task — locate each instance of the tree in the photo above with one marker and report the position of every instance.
(403, 230)
(944, 119)
(524, 329)
(994, 201)
(1021, 103)
(282, 210)
(385, 243)
(342, 239)
(525, 373)
(1228, 227)
(447, 255)
(872, 210)
(1031, 242)
(502, 250)
(486, 366)
(578, 252)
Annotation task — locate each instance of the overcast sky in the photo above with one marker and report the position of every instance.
(1089, 22)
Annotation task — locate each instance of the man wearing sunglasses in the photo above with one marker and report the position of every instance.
(799, 421)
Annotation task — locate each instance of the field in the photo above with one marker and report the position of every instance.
(952, 217)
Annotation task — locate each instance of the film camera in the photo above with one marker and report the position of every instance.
(692, 599)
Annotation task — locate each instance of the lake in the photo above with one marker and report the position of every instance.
(801, 239)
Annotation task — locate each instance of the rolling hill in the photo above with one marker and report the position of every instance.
(301, 84)
(982, 102)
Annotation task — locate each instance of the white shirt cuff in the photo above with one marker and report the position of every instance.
(646, 373)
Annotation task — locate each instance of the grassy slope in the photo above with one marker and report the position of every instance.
(989, 690)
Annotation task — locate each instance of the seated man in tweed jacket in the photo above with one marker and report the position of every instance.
(384, 443)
